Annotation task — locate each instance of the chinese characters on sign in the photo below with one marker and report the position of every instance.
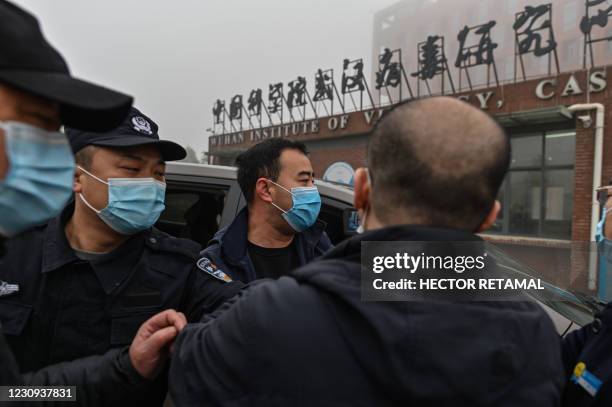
(390, 74)
(534, 35)
(534, 39)
(218, 113)
(478, 54)
(354, 81)
(275, 99)
(432, 63)
(254, 103)
(596, 14)
(325, 87)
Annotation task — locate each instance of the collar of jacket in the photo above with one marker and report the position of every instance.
(234, 239)
(57, 252)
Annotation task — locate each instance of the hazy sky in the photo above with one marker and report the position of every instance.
(177, 57)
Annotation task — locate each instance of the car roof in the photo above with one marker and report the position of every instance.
(327, 189)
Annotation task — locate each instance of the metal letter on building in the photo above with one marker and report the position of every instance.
(275, 99)
(529, 39)
(325, 87)
(235, 111)
(589, 21)
(254, 103)
(218, 113)
(432, 62)
(390, 74)
(353, 81)
(477, 54)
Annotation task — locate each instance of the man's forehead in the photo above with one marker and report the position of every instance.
(295, 161)
(140, 153)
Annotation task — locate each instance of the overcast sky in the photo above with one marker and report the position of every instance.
(177, 57)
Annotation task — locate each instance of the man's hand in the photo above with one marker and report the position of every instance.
(150, 347)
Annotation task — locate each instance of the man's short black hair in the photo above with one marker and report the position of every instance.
(438, 162)
(263, 160)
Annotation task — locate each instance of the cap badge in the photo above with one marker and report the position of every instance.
(142, 125)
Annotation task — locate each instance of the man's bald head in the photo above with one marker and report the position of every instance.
(437, 161)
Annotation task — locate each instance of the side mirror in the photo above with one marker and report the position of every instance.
(350, 221)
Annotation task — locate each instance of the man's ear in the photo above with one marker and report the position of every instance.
(262, 190)
(491, 217)
(362, 189)
(77, 187)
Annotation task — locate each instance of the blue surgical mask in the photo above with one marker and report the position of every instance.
(38, 183)
(305, 209)
(134, 204)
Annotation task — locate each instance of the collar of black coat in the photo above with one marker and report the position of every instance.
(234, 240)
(350, 249)
(111, 272)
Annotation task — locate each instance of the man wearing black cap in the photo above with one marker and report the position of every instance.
(37, 95)
(105, 269)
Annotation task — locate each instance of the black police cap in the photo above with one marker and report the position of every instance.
(29, 63)
(136, 130)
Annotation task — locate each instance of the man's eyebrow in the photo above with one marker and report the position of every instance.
(45, 118)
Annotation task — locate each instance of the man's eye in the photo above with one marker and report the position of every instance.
(132, 169)
(160, 174)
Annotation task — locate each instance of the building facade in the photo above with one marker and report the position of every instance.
(547, 198)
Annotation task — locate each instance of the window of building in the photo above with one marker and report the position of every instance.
(537, 194)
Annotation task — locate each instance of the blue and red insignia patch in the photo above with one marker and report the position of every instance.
(209, 267)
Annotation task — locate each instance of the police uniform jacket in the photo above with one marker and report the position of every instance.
(67, 308)
(587, 354)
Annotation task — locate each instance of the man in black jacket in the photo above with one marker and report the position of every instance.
(37, 95)
(308, 339)
(279, 230)
(104, 268)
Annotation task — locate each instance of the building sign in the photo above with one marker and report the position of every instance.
(545, 89)
(549, 88)
(329, 125)
(293, 109)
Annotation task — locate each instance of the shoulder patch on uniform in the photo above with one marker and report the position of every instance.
(209, 267)
(7, 288)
